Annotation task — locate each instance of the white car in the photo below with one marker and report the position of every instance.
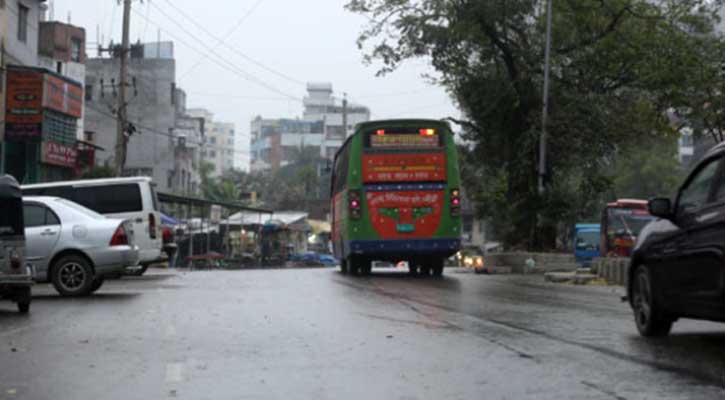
(73, 247)
(132, 198)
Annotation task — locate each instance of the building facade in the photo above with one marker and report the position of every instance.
(219, 147)
(161, 146)
(62, 49)
(19, 21)
(277, 142)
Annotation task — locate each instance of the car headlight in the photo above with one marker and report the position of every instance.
(468, 261)
(479, 262)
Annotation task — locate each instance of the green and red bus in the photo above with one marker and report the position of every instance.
(395, 196)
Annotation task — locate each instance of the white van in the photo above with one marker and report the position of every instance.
(128, 198)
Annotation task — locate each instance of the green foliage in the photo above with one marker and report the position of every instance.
(646, 171)
(618, 67)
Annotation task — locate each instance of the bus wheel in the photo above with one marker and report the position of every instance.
(343, 266)
(438, 268)
(366, 267)
(353, 265)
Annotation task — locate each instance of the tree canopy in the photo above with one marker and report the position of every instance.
(618, 68)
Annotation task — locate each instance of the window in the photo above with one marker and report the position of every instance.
(340, 170)
(212, 153)
(75, 50)
(212, 140)
(23, 23)
(36, 215)
(110, 199)
(59, 67)
(695, 194)
(89, 92)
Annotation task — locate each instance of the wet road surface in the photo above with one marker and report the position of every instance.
(316, 334)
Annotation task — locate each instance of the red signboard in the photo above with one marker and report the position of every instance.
(419, 211)
(60, 155)
(415, 167)
(24, 110)
(62, 96)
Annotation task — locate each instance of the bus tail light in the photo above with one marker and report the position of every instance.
(354, 203)
(455, 202)
(427, 132)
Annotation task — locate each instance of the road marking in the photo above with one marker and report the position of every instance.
(174, 372)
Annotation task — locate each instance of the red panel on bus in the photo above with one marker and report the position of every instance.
(405, 214)
(402, 167)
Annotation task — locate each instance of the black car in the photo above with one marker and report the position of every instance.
(677, 268)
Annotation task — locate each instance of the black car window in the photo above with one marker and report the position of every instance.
(37, 215)
(695, 194)
(33, 215)
(110, 199)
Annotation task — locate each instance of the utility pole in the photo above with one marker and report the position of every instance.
(545, 110)
(121, 139)
(344, 115)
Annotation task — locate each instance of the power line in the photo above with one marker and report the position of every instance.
(222, 41)
(228, 65)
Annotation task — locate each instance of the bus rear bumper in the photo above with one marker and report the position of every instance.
(400, 247)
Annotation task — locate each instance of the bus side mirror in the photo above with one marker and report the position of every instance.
(661, 207)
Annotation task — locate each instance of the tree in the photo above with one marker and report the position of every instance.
(648, 170)
(617, 67)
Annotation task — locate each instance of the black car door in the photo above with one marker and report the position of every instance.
(696, 268)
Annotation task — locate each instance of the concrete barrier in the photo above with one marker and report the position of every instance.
(545, 262)
(612, 269)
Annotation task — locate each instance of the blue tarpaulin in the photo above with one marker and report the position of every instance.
(166, 220)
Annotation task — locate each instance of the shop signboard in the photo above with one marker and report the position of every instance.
(24, 104)
(59, 154)
(62, 95)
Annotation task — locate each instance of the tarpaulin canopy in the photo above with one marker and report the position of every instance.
(167, 220)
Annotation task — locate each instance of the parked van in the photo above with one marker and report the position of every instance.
(126, 198)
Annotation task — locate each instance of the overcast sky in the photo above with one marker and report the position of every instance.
(276, 46)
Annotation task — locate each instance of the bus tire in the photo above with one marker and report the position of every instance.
(366, 267)
(438, 269)
(343, 266)
(353, 266)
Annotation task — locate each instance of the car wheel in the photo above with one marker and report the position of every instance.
(23, 298)
(72, 276)
(97, 283)
(648, 315)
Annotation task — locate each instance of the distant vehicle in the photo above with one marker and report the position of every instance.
(73, 247)
(622, 222)
(678, 264)
(586, 243)
(16, 278)
(396, 196)
(126, 198)
(471, 257)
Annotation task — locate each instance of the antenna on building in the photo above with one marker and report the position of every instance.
(51, 11)
(158, 43)
(68, 17)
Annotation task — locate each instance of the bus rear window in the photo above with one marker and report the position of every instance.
(404, 138)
